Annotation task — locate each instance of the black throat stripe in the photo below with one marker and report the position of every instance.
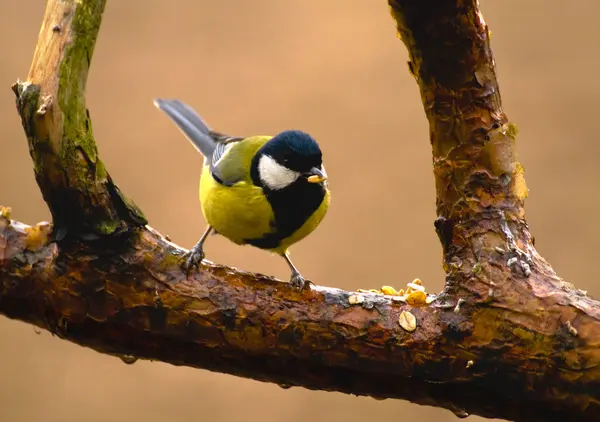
(292, 206)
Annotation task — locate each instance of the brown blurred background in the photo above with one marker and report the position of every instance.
(336, 69)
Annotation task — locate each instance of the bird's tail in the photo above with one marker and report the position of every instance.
(190, 123)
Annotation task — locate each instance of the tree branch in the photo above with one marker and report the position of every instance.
(505, 338)
(74, 182)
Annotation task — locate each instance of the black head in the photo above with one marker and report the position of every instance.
(288, 157)
(295, 150)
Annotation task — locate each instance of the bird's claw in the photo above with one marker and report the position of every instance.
(299, 282)
(192, 259)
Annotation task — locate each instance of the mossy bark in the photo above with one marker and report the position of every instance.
(74, 182)
(505, 338)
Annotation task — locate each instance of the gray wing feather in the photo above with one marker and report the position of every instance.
(191, 124)
(213, 145)
(226, 167)
(220, 150)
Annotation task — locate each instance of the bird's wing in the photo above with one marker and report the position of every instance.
(226, 165)
(224, 142)
(232, 158)
(229, 157)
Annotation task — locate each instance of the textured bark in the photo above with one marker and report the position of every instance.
(74, 182)
(505, 338)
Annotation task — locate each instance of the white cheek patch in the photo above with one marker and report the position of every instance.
(274, 175)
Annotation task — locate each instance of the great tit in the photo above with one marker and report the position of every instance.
(266, 191)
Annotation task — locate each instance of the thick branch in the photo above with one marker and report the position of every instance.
(473, 144)
(128, 297)
(489, 256)
(132, 299)
(506, 338)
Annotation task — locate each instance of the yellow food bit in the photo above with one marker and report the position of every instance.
(389, 290)
(407, 321)
(416, 298)
(356, 299)
(5, 212)
(415, 294)
(37, 236)
(368, 291)
(416, 287)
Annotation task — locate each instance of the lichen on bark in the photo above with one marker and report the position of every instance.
(505, 338)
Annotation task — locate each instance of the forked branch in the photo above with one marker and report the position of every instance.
(505, 338)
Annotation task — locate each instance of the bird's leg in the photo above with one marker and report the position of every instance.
(195, 256)
(296, 279)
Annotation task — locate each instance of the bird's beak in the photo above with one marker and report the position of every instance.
(316, 175)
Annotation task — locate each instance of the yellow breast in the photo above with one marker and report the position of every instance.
(237, 212)
(241, 212)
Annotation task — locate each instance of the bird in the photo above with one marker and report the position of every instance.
(269, 192)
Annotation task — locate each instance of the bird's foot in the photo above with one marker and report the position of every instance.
(299, 282)
(192, 259)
